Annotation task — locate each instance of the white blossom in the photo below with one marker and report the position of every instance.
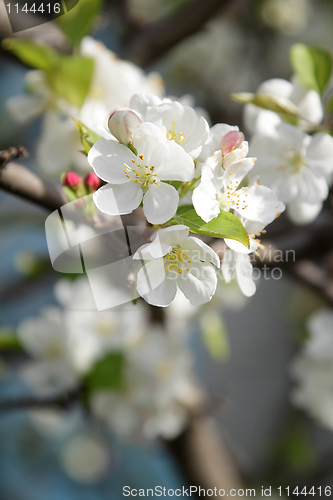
(312, 370)
(159, 388)
(176, 260)
(180, 123)
(220, 189)
(297, 167)
(290, 95)
(136, 178)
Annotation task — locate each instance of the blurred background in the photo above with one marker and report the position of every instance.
(268, 441)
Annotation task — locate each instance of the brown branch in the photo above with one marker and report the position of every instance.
(10, 154)
(153, 40)
(20, 181)
(204, 459)
(62, 401)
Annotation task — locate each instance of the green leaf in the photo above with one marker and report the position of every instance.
(267, 101)
(214, 335)
(330, 104)
(225, 225)
(35, 54)
(107, 373)
(9, 341)
(312, 66)
(88, 136)
(70, 78)
(79, 22)
(70, 194)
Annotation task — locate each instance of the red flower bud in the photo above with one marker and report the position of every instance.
(72, 180)
(92, 182)
(230, 141)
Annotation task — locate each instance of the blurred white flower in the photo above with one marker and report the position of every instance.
(312, 370)
(297, 167)
(140, 177)
(158, 391)
(113, 83)
(176, 260)
(85, 457)
(291, 95)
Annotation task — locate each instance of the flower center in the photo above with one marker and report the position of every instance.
(176, 260)
(105, 326)
(139, 172)
(172, 136)
(236, 200)
(295, 161)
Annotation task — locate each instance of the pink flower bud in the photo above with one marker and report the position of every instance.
(122, 123)
(72, 180)
(92, 182)
(230, 141)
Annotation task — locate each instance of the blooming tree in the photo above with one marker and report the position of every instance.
(194, 203)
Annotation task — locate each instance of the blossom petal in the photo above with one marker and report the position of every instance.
(147, 137)
(205, 202)
(235, 173)
(118, 199)
(203, 251)
(320, 154)
(199, 283)
(244, 271)
(154, 285)
(152, 250)
(259, 203)
(238, 247)
(303, 213)
(160, 203)
(172, 163)
(172, 235)
(109, 159)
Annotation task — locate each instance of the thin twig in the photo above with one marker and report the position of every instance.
(62, 401)
(9, 154)
(152, 40)
(20, 181)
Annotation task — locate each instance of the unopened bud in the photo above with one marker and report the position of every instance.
(230, 141)
(122, 123)
(71, 180)
(92, 182)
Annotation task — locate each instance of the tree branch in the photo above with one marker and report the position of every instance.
(20, 181)
(204, 458)
(151, 41)
(63, 401)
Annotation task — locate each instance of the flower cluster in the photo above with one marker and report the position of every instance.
(297, 166)
(312, 370)
(161, 151)
(113, 83)
(157, 386)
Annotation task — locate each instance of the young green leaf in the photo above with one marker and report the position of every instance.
(329, 104)
(88, 136)
(9, 341)
(107, 373)
(225, 225)
(312, 66)
(79, 21)
(267, 101)
(214, 335)
(70, 78)
(35, 54)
